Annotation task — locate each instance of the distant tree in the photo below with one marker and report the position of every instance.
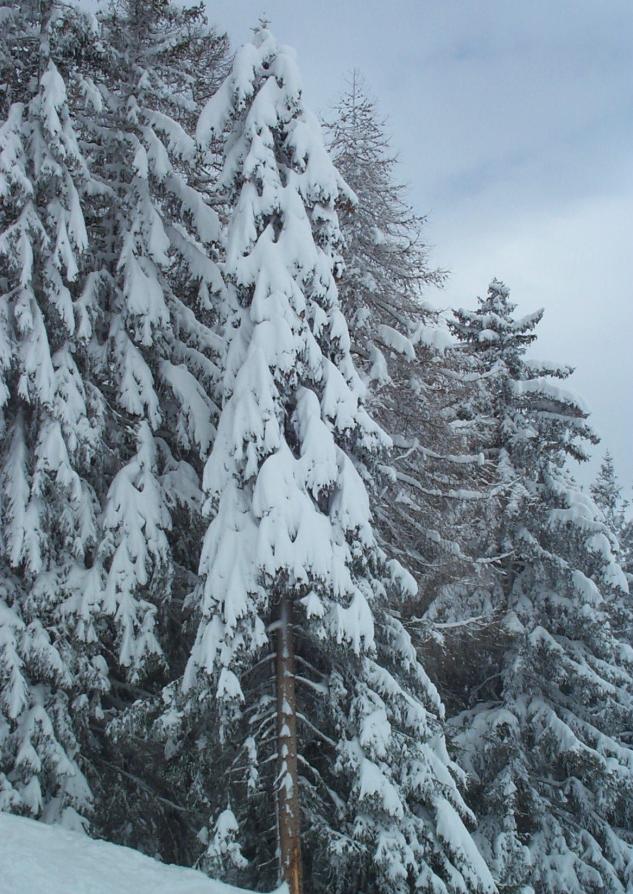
(606, 491)
(626, 547)
(608, 497)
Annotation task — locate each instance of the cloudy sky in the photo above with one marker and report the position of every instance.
(513, 122)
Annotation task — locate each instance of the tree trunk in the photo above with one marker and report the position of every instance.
(288, 805)
(46, 11)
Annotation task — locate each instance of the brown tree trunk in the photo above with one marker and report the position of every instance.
(288, 804)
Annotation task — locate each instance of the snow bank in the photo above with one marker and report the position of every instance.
(51, 860)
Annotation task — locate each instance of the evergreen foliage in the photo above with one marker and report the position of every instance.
(50, 675)
(291, 526)
(608, 497)
(150, 309)
(552, 778)
(264, 511)
(401, 346)
(607, 493)
(109, 384)
(626, 546)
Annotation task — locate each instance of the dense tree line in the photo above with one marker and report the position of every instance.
(296, 581)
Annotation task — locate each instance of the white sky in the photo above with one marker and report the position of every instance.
(513, 122)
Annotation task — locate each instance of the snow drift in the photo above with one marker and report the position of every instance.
(52, 860)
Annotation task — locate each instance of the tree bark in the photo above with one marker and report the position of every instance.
(46, 11)
(288, 802)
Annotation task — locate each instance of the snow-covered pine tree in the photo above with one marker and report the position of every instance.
(147, 311)
(608, 497)
(50, 425)
(435, 491)
(626, 548)
(147, 315)
(552, 777)
(301, 671)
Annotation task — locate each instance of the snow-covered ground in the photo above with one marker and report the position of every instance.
(40, 859)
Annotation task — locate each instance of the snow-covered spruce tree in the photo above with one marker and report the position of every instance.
(50, 425)
(551, 775)
(626, 550)
(147, 310)
(303, 691)
(608, 497)
(435, 492)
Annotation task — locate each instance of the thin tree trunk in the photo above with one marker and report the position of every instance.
(288, 804)
(46, 11)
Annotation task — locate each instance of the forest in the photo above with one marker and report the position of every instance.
(298, 585)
